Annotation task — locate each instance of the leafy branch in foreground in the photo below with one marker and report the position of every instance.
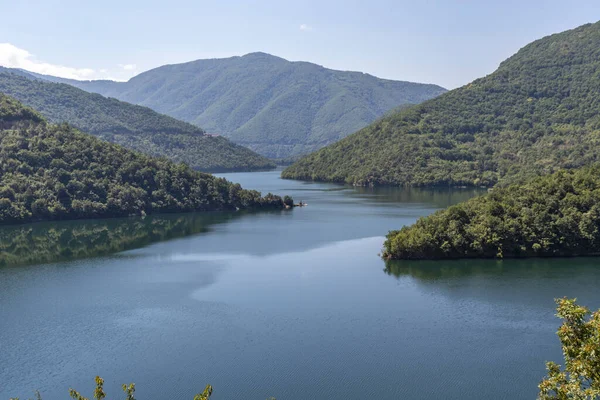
(36, 394)
(129, 391)
(580, 339)
(204, 395)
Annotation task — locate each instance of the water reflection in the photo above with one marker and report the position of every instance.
(526, 283)
(435, 270)
(335, 213)
(69, 240)
(542, 268)
(437, 197)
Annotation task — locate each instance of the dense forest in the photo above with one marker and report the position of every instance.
(52, 172)
(278, 108)
(135, 127)
(552, 215)
(537, 113)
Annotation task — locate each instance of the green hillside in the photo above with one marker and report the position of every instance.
(135, 127)
(51, 172)
(538, 112)
(278, 108)
(553, 215)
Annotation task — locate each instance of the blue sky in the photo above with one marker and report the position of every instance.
(447, 42)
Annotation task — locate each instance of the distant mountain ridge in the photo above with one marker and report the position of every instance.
(136, 127)
(537, 113)
(273, 106)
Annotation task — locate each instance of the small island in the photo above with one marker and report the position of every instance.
(288, 203)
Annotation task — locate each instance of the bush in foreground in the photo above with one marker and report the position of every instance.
(580, 338)
(129, 391)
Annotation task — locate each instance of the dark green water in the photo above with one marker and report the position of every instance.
(292, 304)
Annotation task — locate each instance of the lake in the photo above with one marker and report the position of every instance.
(294, 304)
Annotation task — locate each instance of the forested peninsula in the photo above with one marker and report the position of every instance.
(536, 114)
(55, 172)
(553, 215)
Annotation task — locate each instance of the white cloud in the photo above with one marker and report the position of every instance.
(14, 57)
(128, 67)
(306, 28)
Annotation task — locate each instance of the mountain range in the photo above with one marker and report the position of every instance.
(275, 107)
(135, 127)
(537, 113)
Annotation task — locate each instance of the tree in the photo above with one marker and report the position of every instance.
(288, 201)
(580, 338)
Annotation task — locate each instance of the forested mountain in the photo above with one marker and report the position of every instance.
(275, 107)
(553, 215)
(135, 127)
(538, 112)
(50, 172)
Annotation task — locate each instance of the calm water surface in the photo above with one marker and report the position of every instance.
(290, 304)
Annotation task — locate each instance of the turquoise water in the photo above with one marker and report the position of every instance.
(293, 304)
